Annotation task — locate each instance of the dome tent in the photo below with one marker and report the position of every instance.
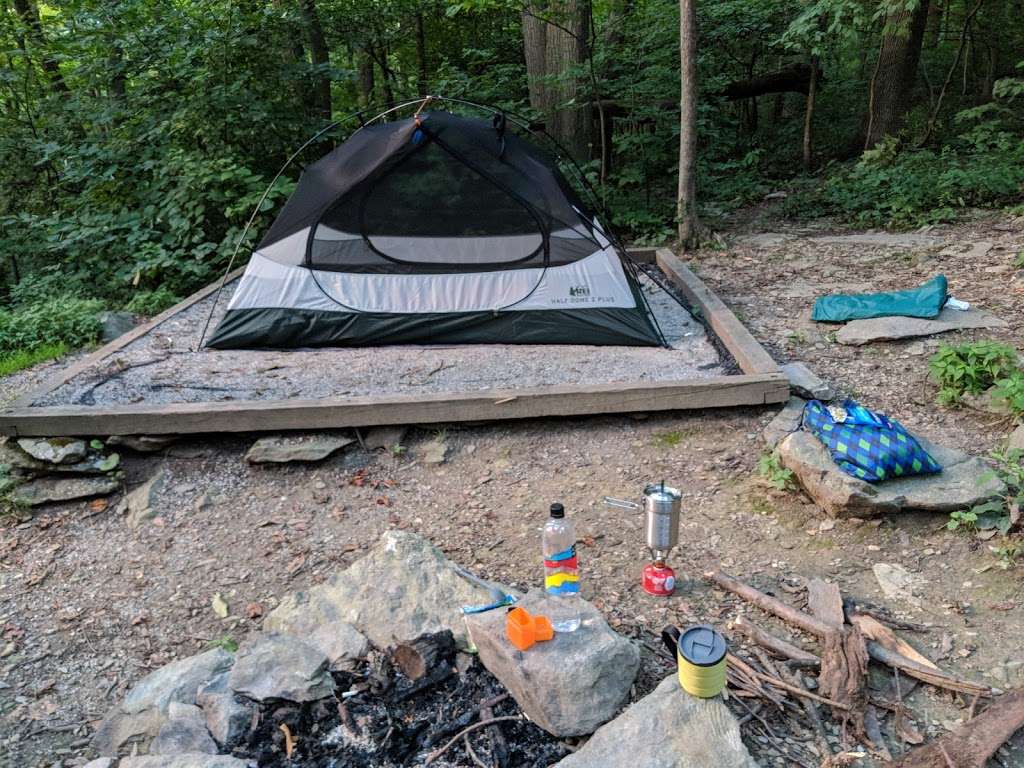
(435, 229)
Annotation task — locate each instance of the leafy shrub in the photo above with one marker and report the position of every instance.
(154, 302)
(62, 320)
(970, 368)
(771, 469)
(1002, 513)
(1011, 391)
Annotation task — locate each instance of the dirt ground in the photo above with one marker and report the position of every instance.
(88, 605)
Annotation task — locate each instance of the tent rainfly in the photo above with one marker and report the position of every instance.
(436, 229)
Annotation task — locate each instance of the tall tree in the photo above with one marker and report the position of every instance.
(555, 45)
(686, 198)
(895, 73)
(321, 58)
(421, 56)
(29, 13)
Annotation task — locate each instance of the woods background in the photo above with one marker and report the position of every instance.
(137, 135)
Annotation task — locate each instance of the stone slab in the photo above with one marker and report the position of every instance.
(842, 495)
(668, 728)
(858, 332)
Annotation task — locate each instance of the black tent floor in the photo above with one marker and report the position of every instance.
(155, 372)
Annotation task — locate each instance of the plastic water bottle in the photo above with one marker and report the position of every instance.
(561, 570)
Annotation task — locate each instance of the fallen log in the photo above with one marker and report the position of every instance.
(770, 604)
(795, 78)
(424, 654)
(972, 744)
(797, 656)
(875, 630)
(925, 674)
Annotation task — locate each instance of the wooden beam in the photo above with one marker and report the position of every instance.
(62, 378)
(750, 355)
(327, 413)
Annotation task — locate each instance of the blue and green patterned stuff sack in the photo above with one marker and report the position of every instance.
(868, 445)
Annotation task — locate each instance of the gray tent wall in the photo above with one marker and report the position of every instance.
(437, 229)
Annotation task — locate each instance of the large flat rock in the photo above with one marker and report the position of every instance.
(276, 666)
(666, 729)
(47, 490)
(958, 486)
(569, 685)
(858, 332)
(403, 588)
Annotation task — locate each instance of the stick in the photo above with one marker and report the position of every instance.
(931, 676)
(770, 604)
(499, 747)
(471, 753)
(811, 708)
(776, 645)
(468, 729)
(873, 629)
(973, 743)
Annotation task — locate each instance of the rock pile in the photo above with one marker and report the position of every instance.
(39, 470)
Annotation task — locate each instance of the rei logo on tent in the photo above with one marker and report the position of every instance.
(579, 290)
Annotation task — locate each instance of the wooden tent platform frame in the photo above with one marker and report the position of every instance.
(761, 383)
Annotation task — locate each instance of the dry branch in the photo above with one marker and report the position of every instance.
(972, 744)
(873, 629)
(928, 675)
(770, 604)
(776, 645)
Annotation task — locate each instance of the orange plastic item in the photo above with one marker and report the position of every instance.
(524, 629)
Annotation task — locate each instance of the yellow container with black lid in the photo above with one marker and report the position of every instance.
(700, 655)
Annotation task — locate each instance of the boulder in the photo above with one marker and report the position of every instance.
(122, 731)
(276, 666)
(858, 332)
(803, 382)
(569, 685)
(116, 324)
(143, 443)
(184, 732)
(281, 449)
(668, 728)
(140, 503)
(228, 717)
(958, 486)
(93, 464)
(785, 422)
(194, 760)
(178, 681)
(384, 437)
(338, 640)
(54, 450)
(403, 588)
(45, 490)
(1015, 442)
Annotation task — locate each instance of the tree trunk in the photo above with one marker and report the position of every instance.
(320, 56)
(554, 42)
(29, 13)
(812, 93)
(421, 56)
(534, 45)
(365, 79)
(686, 205)
(893, 81)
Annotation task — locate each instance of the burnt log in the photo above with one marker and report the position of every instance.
(419, 657)
(794, 78)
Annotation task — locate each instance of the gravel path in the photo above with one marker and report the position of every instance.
(160, 367)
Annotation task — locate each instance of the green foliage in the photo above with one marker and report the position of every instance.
(153, 302)
(227, 643)
(670, 439)
(66, 320)
(1011, 391)
(970, 368)
(1001, 514)
(26, 358)
(771, 470)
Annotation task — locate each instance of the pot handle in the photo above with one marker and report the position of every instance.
(670, 636)
(621, 503)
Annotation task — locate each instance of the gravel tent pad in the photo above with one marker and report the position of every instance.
(159, 371)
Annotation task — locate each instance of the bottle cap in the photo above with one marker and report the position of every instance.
(557, 511)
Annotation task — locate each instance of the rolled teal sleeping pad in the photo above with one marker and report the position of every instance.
(926, 301)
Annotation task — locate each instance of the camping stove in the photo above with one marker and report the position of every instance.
(661, 505)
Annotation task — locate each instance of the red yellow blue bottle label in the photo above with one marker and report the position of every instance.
(562, 573)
